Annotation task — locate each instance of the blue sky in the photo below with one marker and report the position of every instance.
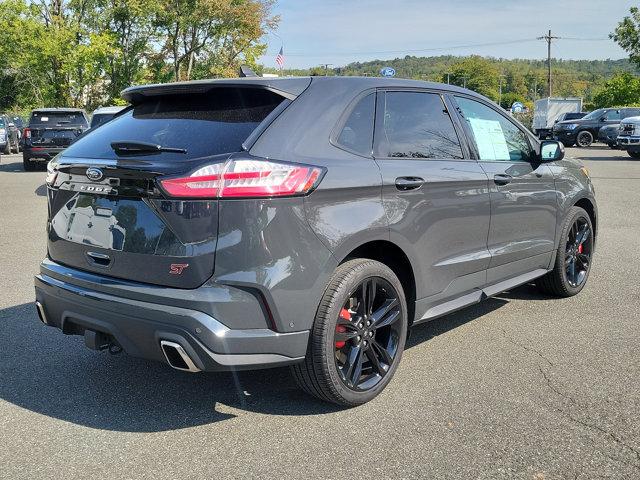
(338, 32)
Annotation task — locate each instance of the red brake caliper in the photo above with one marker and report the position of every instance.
(580, 248)
(344, 314)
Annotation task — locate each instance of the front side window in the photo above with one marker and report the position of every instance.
(496, 138)
(612, 115)
(416, 125)
(357, 133)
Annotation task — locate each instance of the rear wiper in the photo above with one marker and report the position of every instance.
(143, 147)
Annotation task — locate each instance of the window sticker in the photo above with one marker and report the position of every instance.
(492, 144)
(44, 119)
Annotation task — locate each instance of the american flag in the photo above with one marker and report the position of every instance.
(280, 58)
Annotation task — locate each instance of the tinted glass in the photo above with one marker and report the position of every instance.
(203, 124)
(417, 125)
(593, 115)
(57, 119)
(100, 118)
(1, 122)
(612, 115)
(357, 133)
(497, 138)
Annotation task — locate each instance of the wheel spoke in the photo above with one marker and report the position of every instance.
(375, 362)
(368, 295)
(584, 260)
(583, 235)
(572, 271)
(382, 352)
(345, 336)
(354, 366)
(386, 314)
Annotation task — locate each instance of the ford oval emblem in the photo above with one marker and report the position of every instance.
(94, 174)
(387, 72)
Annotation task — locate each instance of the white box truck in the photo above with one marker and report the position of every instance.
(547, 110)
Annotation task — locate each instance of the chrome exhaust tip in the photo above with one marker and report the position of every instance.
(41, 315)
(177, 357)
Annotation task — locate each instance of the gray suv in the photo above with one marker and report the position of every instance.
(251, 223)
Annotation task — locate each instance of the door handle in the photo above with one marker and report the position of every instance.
(501, 179)
(409, 183)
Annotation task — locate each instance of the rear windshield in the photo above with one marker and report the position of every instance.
(57, 119)
(203, 124)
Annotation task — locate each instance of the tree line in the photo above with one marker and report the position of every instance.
(82, 53)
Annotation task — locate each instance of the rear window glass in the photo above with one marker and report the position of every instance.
(100, 118)
(357, 133)
(57, 119)
(417, 125)
(203, 124)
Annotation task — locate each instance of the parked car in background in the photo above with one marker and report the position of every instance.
(9, 136)
(609, 135)
(49, 132)
(584, 131)
(547, 110)
(104, 114)
(570, 116)
(629, 136)
(260, 222)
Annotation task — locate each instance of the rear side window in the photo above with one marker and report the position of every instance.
(612, 115)
(416, 125)
(203, 124)
(357, 133)
(57, 119)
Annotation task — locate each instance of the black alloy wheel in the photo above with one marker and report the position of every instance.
(578, 252)
(584, 138)
(368, 332)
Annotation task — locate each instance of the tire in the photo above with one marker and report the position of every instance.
(28, 165)
(321, 373)
(7, 149)
(635, 155)
(16, 149)
(557, 281)
(584, 138)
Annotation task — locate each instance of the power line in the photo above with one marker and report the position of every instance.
(437, 49)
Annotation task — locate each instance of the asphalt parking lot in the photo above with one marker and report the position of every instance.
(522, 386)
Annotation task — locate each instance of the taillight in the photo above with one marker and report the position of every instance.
(245, 178)
(26, 133)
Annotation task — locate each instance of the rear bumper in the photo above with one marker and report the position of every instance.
(40, 153)
(146, 315)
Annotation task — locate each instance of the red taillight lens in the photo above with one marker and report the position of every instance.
(26, 133)
(245, 178)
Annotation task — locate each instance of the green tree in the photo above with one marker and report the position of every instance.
(219, 34)
(478, 74)
(623, 89)
(627, 35)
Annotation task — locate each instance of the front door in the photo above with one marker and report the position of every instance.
(523, 194)
(435, 196)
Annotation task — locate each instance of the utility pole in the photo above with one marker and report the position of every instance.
(548, 38)
(326, 67)
(500, 91)
(464, 82)
(448, 82)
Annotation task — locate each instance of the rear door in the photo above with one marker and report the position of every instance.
(107, 214)
(523, 193)
(435, 196)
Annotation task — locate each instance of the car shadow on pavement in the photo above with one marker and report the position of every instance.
(11, 166)
(41, 191)
(52, 374)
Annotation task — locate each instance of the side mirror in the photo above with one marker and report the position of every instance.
(551, 151)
